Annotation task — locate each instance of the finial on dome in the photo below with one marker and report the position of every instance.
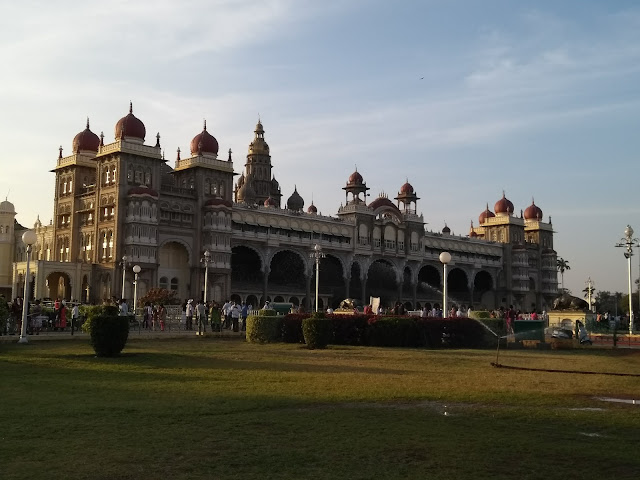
(158, 140)
(87, 123)
(163, 154)
(229, 155)
(102, 139)
(60, 154)
(521, 215)
(178, 156)
(130, 107)
(205, 124)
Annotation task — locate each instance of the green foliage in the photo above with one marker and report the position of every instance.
(89, 312)
(394, 332)
(317, 331)
(480, 314)
(109, 334)
(267, 313)
(264, 329)
(350, 329)
(160, 296)
(292, 327)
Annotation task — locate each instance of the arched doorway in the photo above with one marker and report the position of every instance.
(381, 282)
(59, 286)
(246, 272)
(331, 280)
(457, 287)
(429, 282)
(173, 271)
(483, 295)
(286, 275)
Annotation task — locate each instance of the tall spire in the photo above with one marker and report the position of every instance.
(130, 107)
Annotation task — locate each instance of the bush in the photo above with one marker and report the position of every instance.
(89, 312)
(350, 329)
(292, 327)
(480, 314)
(109, 334)
(160, 295)
(263, 328)
(317, 331)
(394, 331)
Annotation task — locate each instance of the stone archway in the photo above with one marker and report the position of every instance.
(59, 286)
(381, 281)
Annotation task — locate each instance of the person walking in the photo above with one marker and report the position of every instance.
(201, 315)
(75, 314)
(162, 316)
(189, 315)
(235, 316)
(244, 313)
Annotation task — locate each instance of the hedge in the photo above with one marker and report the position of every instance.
(317, 330)
(109, 334)
(264, 329)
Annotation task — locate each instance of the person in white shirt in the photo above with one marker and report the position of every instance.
(189, 315)
(235, 315)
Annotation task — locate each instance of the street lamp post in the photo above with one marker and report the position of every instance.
(29, 238)
(206, 259)
(628, 242)
(136, 271)
(124, 273)
(590, 285)
(445, 258)
(317, 255)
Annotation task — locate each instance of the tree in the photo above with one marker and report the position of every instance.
(562, 265)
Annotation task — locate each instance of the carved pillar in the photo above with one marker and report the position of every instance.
(265, 285)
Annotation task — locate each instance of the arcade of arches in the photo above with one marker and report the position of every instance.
(290, 277)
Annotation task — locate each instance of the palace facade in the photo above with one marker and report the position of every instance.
(121, 204)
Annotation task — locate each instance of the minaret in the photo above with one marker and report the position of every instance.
(258, 168)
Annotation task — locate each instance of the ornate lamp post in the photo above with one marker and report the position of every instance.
(206, 259)
(28, 238)
(317, 255)
(136, 271)
(628, 242)
(445, 258)
(124, 273)
(590, 285)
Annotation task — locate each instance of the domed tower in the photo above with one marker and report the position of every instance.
(355, 186)
(130, 128)
(407, 196)
(259, 167)
(7, 218)
(246, 193)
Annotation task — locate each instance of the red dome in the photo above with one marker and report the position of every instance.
(218, 202)
(130, 126)
(446, 229)
(383, 202)
(503, 205)
(355, 178)
(270, 202)
(204, 142)
(533, 212)
(485, 214)
(312, 209)
(86, 140)
(472, 234)
(142, 190)
(406, 188)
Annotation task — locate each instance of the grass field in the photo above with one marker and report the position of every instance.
(209, 408)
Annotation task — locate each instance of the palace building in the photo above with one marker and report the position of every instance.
(121, 204)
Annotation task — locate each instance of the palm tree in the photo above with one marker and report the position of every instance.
(562, 265)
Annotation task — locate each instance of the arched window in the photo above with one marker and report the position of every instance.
(110, 236)
(107, 175)
(207, 186)
(164, 282)
(130, 175)
(70, 185)
(113, 174)
(174, 284)
(147, 177)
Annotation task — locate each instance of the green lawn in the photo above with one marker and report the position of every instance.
(210, 408)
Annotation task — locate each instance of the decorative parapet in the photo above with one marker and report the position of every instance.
(130, 147)
(204, 161)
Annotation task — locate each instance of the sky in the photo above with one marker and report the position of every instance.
(464, 99)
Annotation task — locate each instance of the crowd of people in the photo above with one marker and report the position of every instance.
(58, 316)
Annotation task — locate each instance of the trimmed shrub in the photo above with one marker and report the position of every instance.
(394, 331)
(317, 331)
(264, 329)
(350, 329)
(267, 313)
(292, 327)
(89, 312)
(109, 334)
(480, 314)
